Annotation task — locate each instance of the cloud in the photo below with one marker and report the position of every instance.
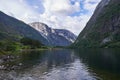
(90, 5)
(66, 14)
(57, 14)
(18, 9)
(61, 7)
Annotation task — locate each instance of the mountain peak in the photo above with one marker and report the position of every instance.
(57, 37)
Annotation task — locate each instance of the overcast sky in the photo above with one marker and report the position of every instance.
(62, 14)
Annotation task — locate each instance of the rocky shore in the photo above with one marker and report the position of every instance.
(9, 62)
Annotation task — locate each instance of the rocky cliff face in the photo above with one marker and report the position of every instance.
(56, 37)
(103, 29)
(13, 29)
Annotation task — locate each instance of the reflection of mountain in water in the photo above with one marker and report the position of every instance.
(104, 62)
(49, 58)
(49, 65)
(56, 65)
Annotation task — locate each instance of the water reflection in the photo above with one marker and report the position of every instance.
(54, 65)
(49, 58)
(82, 64)
(49, 65)
(104, 62)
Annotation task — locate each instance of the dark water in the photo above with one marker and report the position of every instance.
(83, 64)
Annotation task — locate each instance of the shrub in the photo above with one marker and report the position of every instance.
(30, 42)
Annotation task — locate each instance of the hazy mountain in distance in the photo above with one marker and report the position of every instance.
(56, 37)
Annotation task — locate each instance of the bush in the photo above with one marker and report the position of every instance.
(32, 43)
(9, 46)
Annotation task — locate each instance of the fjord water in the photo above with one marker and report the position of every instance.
(82, 64)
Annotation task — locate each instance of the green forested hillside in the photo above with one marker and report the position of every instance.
(13, 29)
(103, 29)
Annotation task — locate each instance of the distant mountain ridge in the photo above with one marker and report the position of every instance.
(56, 37)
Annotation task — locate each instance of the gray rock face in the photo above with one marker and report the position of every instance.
(103, 27)
(56, 37)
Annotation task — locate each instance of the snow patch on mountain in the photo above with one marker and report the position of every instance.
(56, 37)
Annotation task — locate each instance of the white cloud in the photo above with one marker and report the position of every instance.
(90, 5)
(18, 9)
(36, 6)
(57, 13)
(61, 7)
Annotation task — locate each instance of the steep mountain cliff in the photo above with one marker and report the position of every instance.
(103, 29)
(56, 37)
(13, 29)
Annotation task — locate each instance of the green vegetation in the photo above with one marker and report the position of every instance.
(8, 46)
(110, 10)
(111, 45)
(31, 43)
(105, 25)
(114, 45)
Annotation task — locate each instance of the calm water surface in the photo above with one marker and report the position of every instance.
(83, 64)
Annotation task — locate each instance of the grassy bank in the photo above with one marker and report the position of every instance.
(8, 47)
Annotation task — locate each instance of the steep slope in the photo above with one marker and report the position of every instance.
(13, 29)
(56, 37)
(103, 29)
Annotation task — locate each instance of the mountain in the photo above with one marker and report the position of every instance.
(103, 29)
(13, 29)
(56, 37)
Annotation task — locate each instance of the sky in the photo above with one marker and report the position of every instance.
(61, 14)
